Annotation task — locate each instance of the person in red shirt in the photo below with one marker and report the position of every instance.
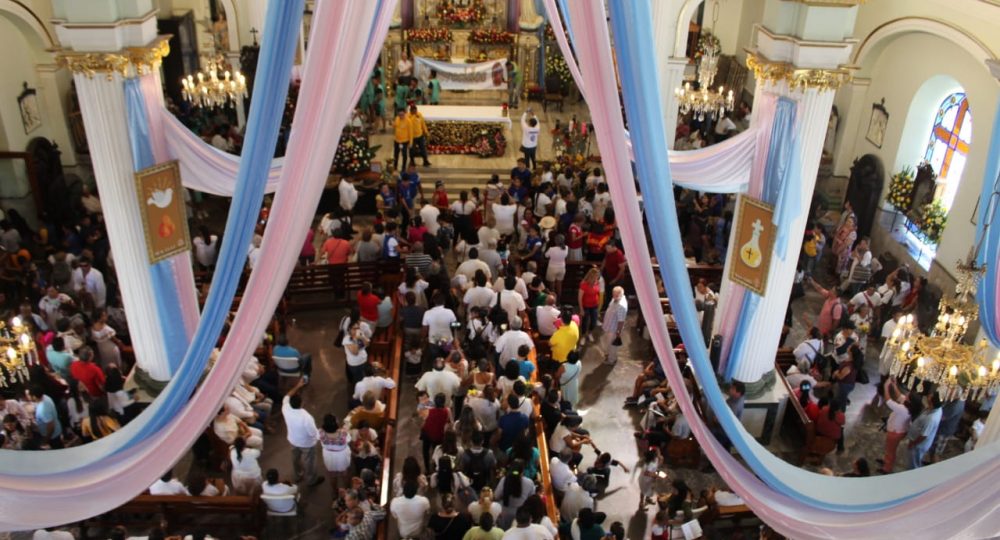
(441, 197)
(368, 304)
(830, 422)
(574, 240)
(597, 241)
(336, 250)
(613, 269)
(87, 373)
(589, 298)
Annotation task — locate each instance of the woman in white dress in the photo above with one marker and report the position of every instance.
(107, 342)
(336, 442)
(246, 470)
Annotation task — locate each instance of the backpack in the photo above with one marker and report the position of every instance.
(497, 314)
(477, 470)
(476, 345)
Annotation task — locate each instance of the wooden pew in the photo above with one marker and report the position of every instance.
(798, 428)
(228, 515)
(323, 286)
(393, 364)
(547, 494)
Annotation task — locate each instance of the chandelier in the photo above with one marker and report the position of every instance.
(704, 102)
(17, 352)
(208, 90)
(942, 358)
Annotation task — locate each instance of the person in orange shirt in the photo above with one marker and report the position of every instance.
(402, 130)
(419, 130)
(336, 249)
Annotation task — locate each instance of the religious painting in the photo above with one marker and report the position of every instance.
(162, 209)
(31, 118)
(755, 233)
(877, 124)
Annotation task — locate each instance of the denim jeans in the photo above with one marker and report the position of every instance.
(589, 321)
(398, 147)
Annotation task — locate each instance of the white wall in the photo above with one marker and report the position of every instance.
(919, 69)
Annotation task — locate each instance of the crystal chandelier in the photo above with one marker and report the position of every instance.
(941, 358)
(208, 90)
(704, 102)
(17, 352)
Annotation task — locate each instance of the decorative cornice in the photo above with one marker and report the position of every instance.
(821, 79)
(134, 60)
(829, 3)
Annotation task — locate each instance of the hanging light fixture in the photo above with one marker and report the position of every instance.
(209, 90)
(17, 352)
(704, 102)
(942, 358)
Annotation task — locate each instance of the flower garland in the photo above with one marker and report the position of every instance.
(491, 36)
(462, 16)
(935, 217)
(901, 190)
(428, 35)
(354, 156)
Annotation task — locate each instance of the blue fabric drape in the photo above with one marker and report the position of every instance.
(635, 54)
(165, 293)
(782, 173)
(989, 253)
(274, 70)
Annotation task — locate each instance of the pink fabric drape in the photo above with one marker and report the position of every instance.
(337, 48)
(961, 508)
(182, 269)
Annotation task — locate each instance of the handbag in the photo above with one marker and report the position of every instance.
(338, 341)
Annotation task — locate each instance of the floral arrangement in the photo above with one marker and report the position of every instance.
(354, 156)
(555, 65)
(491, 36)
(901, 190)
(428, 35)
(933, 221)
(451, 14)
(467, 138)
(708, 41)
(550, 34)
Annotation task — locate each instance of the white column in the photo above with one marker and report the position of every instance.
(102, 103)
(765, 327)
(852, 99)
(669, 61)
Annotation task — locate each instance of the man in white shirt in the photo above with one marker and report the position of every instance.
(437, 321)
(411, 511)
(543, 198)
(574, 500)
(168, 485)
(868, 297)
(348, 194)
(429, 216)
(529, 137)
(613, 324)
(807, 352)
(507, 344)
(302, 434)
(724, 127)
(50, 303)
(520, 284)
(374, 381)
(486, 409)
(438, 381)
(511, 302)
(480, 295)
(469, 266)
(92, 280)
(524, 529)
(488, 232)
(489, 255)
(546, 316)
(273, 487)
(842, 342)
(562, 473)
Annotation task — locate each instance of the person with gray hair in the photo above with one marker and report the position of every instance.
(613, 324)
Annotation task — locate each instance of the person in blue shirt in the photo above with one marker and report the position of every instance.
(510, 425)
(521, 172)
(59, 358)
(284, 350)
(409, 187)
(524, 366)
(517, 189)
(434, 86)
(46, 417)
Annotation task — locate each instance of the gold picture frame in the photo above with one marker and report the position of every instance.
(164, 215)
(877, 124)
(754, 244)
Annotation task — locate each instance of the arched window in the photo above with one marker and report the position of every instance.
(948, 146)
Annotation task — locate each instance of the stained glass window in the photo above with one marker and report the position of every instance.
(949, 145)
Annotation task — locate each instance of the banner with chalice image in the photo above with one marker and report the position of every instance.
(164, 215)
(754, 244)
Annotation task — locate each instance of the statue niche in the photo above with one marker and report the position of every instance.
(924, 187)
(864, 190)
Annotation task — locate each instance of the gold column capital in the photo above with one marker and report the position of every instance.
(821, 79)
(128, 61)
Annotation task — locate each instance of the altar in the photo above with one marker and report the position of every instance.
(455, 129)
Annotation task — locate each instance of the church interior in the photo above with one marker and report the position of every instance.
(499, 269)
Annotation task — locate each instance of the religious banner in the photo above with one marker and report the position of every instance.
(755, 233)
(161, 206)
(491, 75)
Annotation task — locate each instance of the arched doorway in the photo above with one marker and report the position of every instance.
(864, 190)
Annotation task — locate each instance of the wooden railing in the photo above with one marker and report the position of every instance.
(548, 495)
(393, 357)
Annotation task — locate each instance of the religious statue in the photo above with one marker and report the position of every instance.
(830, 142)
(397, 16)
(530, 20)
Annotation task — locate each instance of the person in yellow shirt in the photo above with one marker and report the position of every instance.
(418, 128)
(565, 338)
(402, 137)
